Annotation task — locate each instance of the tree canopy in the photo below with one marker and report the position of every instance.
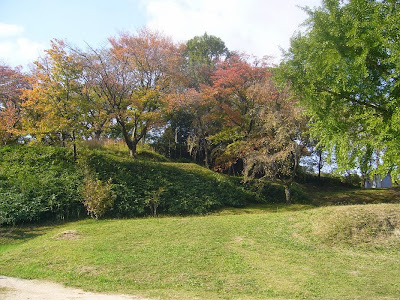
(12, 83)
(224, 108)
(345, 69)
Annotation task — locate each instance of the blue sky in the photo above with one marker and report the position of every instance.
(258, 27)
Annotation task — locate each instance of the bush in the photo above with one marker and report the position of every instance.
(153, 201)
(186, 188)
(348, 181)
(270, 192)
(45, 183)
(38, 183)
(97, 196)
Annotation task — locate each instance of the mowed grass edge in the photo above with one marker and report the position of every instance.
(322, 253)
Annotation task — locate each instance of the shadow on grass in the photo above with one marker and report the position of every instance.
(320, 196)
(263, 208)
(354, 196)
(10, 235)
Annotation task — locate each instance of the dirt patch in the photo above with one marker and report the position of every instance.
(68, 235)
(238, 239)
(21, 289)
(92, 270)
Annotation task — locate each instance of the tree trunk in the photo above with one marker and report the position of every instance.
(131, 144)
(97, 134)
(206, 159)
(287, 194)
(133, 149)
(319, 164)
(63, 139)
(74, 145)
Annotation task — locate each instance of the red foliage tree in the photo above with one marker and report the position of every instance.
(12, 82)
(235, 91)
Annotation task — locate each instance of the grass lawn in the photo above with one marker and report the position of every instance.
(259, 252)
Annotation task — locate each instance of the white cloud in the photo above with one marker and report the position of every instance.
(256, 27)
(15, 49)
(7, 30)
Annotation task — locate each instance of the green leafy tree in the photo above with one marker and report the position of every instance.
(345, 69)
(202, 53)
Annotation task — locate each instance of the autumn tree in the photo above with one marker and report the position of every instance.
(52, 107)
(345, 70)
(201, 55)
(273, 149)
(96, 120)
(12, 82)
(204, 124)
(234, 91)
(133, 77)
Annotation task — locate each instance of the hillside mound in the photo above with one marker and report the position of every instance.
(359, 225)
(40, 183)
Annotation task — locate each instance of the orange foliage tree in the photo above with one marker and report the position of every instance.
(274, 148)
(235, 93)
(133, 78)
(12, 82)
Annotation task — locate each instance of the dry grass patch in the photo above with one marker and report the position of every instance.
(375, 225)
(70, 235)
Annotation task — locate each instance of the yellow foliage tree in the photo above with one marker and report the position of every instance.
(52, 108)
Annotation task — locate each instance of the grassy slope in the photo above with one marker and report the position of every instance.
(261, 251)
(339, 195)
(345, 252)
(43, 183)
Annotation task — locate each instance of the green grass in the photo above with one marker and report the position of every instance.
(259, 252)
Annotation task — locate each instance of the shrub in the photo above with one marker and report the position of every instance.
(153, 201)
(97, 196)
(186, 188)
(45, 183)
(271, 192)
(38, 183)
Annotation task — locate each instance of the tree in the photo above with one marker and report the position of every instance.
(204, 124)
(133, 77)
(234, 91)
(274, 148)
(202, 53)
(109, 85)
(12, 82)
(52, 106)
(95, 107)
(345, 70)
